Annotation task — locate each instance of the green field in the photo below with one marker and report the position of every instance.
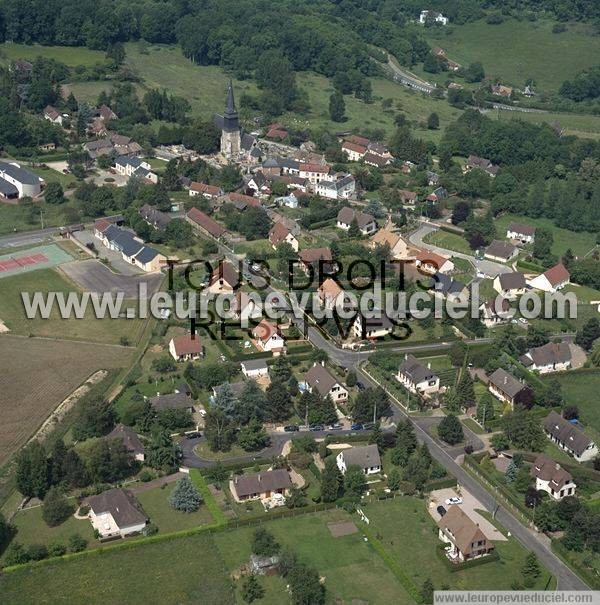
(180, 571)
(580, 242)
(89, 329)
(69, 55)
(449, 241)
(517, 50)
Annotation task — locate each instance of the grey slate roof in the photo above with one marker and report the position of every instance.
(512, 281)
(121, 504)
(566, 433)
(346, 215)
(146, 254)
(550, 353)
(320, 379)
(7, 188)
(254, 364)
(171, 401)
(365, 456)
(415, 370)
(447, 285)
(259, 483)
(500, 249)
(506, 382)
(20, 174)
(129, 438)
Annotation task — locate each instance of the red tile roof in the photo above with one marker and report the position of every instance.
(205, 222)
(187, 345)
(557, 274)
(354, 147)
(203, 188)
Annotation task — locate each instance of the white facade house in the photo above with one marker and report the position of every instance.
(255, 368)
(556, 278)
(268, 337)
(366, 223)
(434, 16)
(321, 380)
(551, 357)
(340, 189)
(522, 234)
(365, 457)
(116, 512)
(131, 166)
(569, 437)
(186, 348)
(418, 378)
(551, 478)
(510, 285)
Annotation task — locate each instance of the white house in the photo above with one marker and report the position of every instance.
(569, 437)
(16, 182)
(432, 263)
(464, 536)
(346, 216)
(551, 478)
(354, 151)
(428, 15)
(268, 337)
(522, 234)
(340, 188)
(314, 173)
(280, 234)
(131, 166)
(510, 285)
(255, 368)
(53, 115)
(556, 278)
(186, 348)
(366, 457)
(494, 313)
(501, 251)
(417, 377)
(321, 380)
(116, 512)
(551, 357)
(378, 326)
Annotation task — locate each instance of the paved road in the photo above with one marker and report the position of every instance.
(16, 240)
(487, 267)
(407, 79)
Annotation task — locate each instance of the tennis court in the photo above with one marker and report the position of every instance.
(40, 257)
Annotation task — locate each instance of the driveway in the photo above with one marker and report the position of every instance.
(470, 505)
(115, 258)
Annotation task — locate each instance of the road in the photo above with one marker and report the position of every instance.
(15, 240)
(407, 79)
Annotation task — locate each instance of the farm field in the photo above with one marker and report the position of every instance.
(517, 50)
(69, 55)
(187, 570)
(37, 375)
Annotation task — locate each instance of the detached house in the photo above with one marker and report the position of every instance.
(432, 263)
(417, 377)
(321, 380)
(312, 257)
(354, 151)
(551, 357)
(269, 338)
(522, 234)
(507, 388)
(398, 247)
(130, 440)
(255, 368)
(434, 16)
(494, 313)
(464, 536)
(501, 251)
(484, 164)
(569, 437)
(131, 166)
(556, 278)
(52, 115)
(186, 348)
(346, 216)
(210, 192)
(551, 478)
(510, 285)
(341, 187)
(365, 457)
(378, 326)
(280, 234)
(116, 513)
(329, 293)
(224, 279)
(260, 486)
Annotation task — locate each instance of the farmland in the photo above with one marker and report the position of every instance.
(37, 374)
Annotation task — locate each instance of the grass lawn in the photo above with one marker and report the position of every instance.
(516, 50)
(404, 521)
(205, 452)
(187, 570)
(351, 568)
(27, 218)
(448, 241)
(155, 503)
(69, 55)
(579, 242)
(108, 331)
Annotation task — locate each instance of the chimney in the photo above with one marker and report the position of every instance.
(429, 365)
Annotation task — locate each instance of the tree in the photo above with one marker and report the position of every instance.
(427, 591)
(264, 543)
(56, 507)
(33, 474)
(161, 452)
(218, 430)
(531, 569)
(331, 481)
(225, 400)
(465, 390)
(511, 473)
(179, 233)
(433, 121)
(337, 107)
(249, 404)
(354, 481)
(305, 586)
(54, 194)
(278, 404)
(522, 480)
(185, 497)
(371, 403)
(109, 460)
(354, 230)
(523, 430)
(73, 470)
(296, 498)
(281, 370)
(252, 590)
(485, 408)
(394, 479)
(475, 72)
(588, 333)
(376, 437)
(351, 379)
(253, 437)
(450, 430)
(94, 419)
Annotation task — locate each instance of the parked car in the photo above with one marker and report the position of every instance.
(368, 426)
(360, 386)
(317, 427)
(193, 435)
(441, 510)
(453, 500)
(357, 426)
(291, 428)
(335, 427)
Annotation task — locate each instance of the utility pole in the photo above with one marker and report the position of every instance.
(42, 217)
(375, 413)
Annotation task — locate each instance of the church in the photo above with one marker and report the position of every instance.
(236, 144)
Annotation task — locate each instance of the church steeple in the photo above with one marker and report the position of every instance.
(230, 110)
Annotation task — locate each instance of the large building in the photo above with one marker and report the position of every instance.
(16, 182)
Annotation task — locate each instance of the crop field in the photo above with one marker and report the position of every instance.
(514, 51)
(37, 374)
(69, 55)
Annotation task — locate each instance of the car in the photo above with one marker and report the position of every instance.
(368, 426)
(523, 321)
(335, 427)
(193, 435)
(291, 428)
(441, 510)
(453, 500)
(360, 386)
(317, 427)
(357, 426)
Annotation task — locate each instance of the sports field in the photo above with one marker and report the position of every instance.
(40, 257)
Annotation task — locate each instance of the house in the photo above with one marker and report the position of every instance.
(223, 279)
(205, 223)
(210, 192)
(180, 399)
(373, 159)
(366, 457)
(432, 263)
(309, 257)
(507, 388)
(314, 173)
(17, 182)
(466, 539)
(407, 197)
(494, 313)
(106, 113)
(484, 164)
(242, 201)
(329, 293)
(569, 437)
(555, 278)
(260, 486)
(398, 247)
(433, 178)
(290, 200)
(551, 478)
(275, 131)
(341, 187)
(501, 251)
(378, 326)
(186, 348)
(154, 217)
(354, 151)
(130, 440)
(149, 260)
(243, 305)
(428, 16)
(523, 234)
(417, 377)
(258, 182)
(346, 216)
(287, 222)
(116, 512)
(262, 565)
(268, 337)
(501, 91)
(255, 368)
(135, 167)
(280, 234)
(551, 357)
(52, 115)
(445, 286)
(510, 285)
(439, 193)
(321, 380)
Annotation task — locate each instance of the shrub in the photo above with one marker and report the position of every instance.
(77, 543)
(264, 543)
(37, 552)
(56, 549)
(185, 496)
(150, 530)
(56, 507)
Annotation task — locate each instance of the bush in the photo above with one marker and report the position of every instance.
(56, 507)
(264, 543)
(16, 554)
(77, 543)
(37, 552)
(145, 476)
(150, 530)
(56, 549)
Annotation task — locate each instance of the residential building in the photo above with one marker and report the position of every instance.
(314, 173)
(569, 437)
(255, 368)
(354, 151)
(366, 457)
(501, 91)
(179, 399)
(269, 338)
(321, 380)
(551, 478)
(432, 16)
(507, 388)
(551, 357)
(501, 251)
(484, 164)
(495, 312)
(280, 234)
(510, 285)
(187, 347)
(432, 263)
(155, 217)
(445, 286)
(399, 249)
(131, 166)
(260, 486)
(149, 260)
(205, 223)
(53, 115)
(522, 234)
(378, 326)
(116, 512)
(552, 280)
(130, 440)
(465, 537)
(17, 182)
(373, 159)
(210, 192)
(315, 258)
(346, 216)
(408, 197)
(329, 293)
(417, 377)
(224, 278)
(342, 187)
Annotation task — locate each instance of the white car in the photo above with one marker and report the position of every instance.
(453, 500)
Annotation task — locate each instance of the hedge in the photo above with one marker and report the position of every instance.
(439, 483)
(235, 466)
(454, 567)
(200, 483)
(527, 265)
(567, 557)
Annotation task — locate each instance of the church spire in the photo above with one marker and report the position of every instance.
(230, 110)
